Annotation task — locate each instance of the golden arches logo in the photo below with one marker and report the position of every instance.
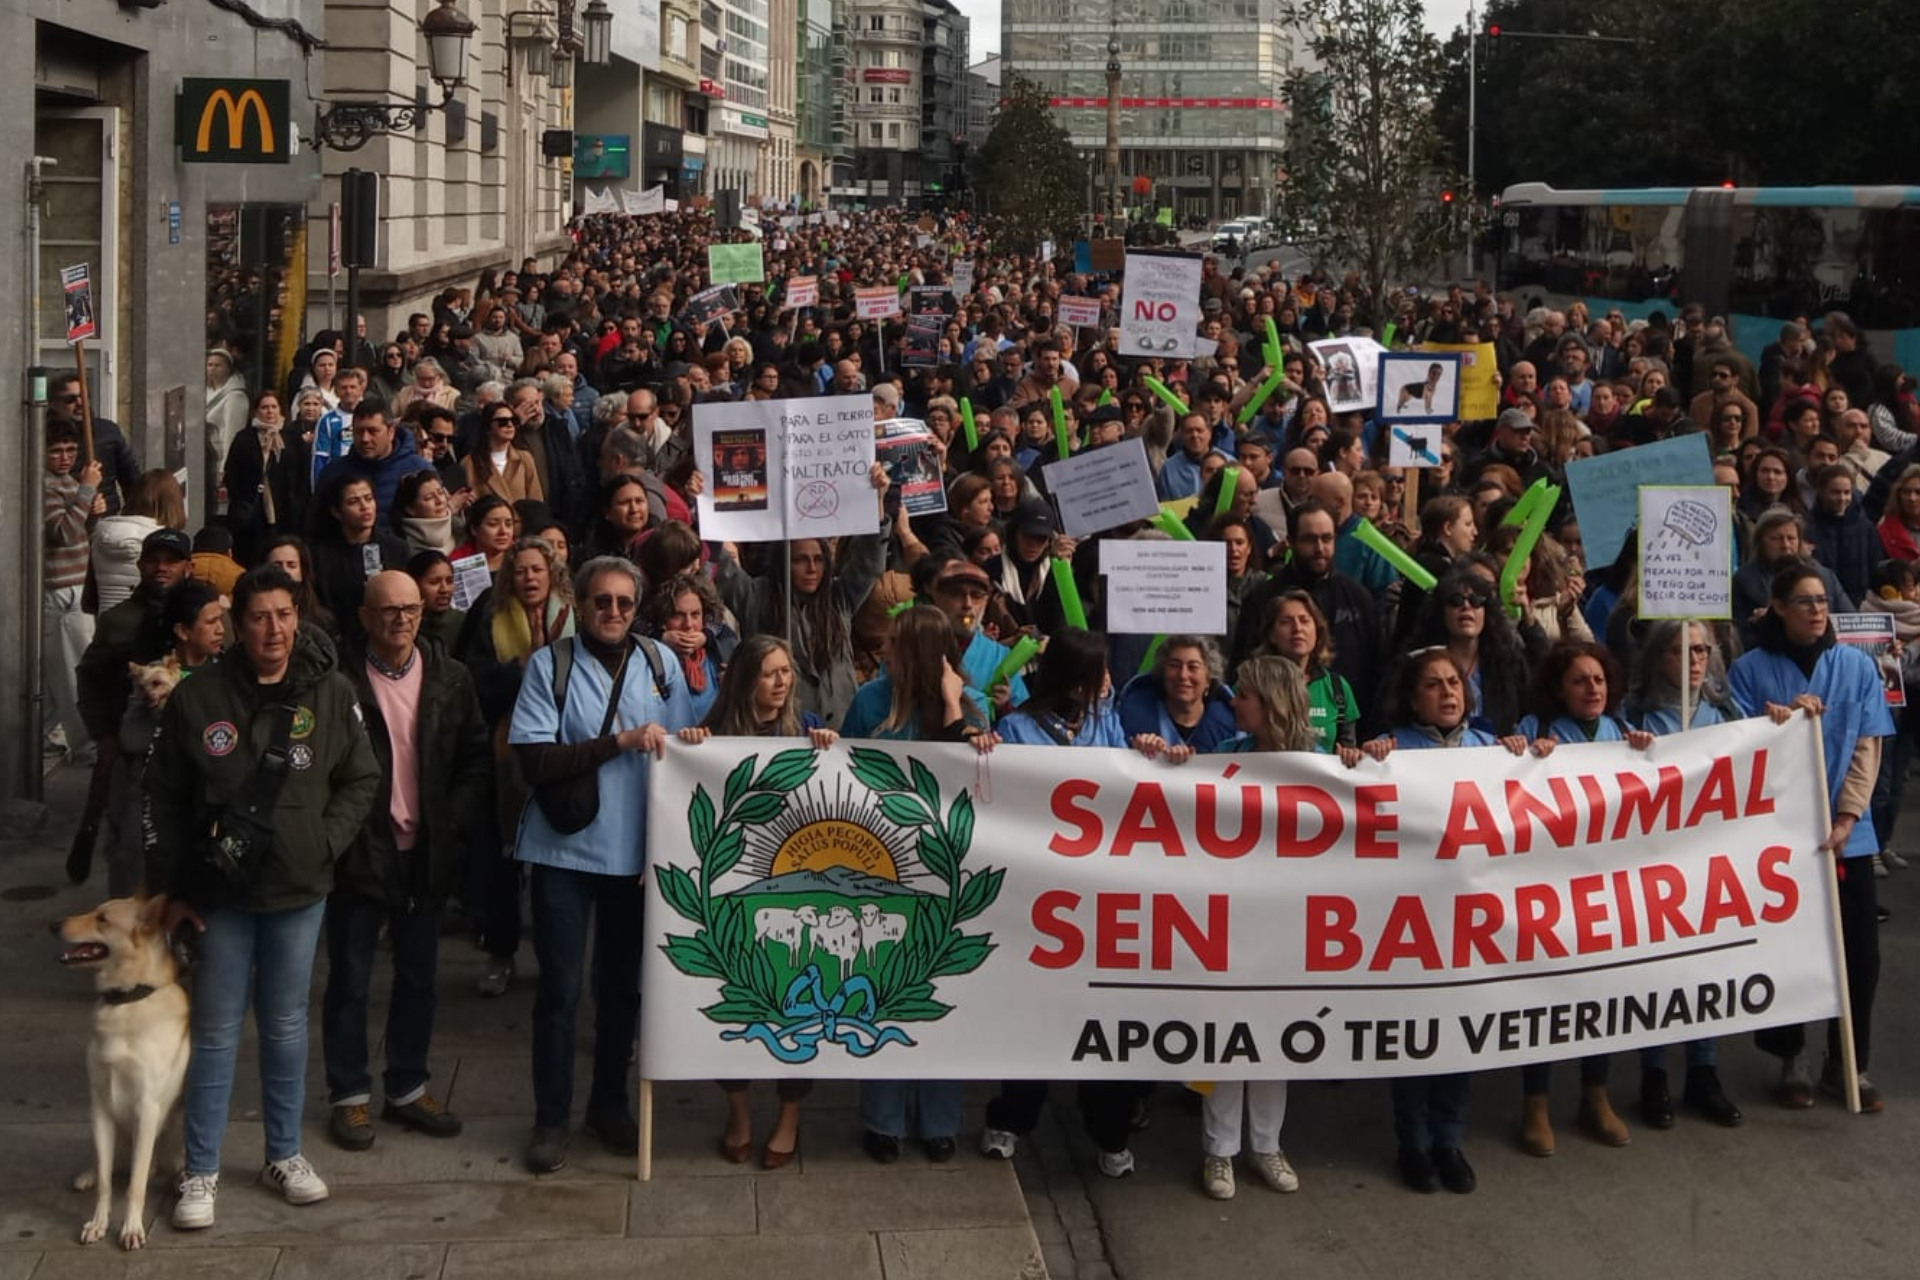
(236, 109)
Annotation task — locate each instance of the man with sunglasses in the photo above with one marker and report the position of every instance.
(119, 466)
(434, 435)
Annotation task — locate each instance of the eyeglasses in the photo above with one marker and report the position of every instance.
(1697, 650)
(1394, 479)
(1466, 600)
(1807, 602)
(67, 399)
(399, 612)
(440, 437)
(500, 420)
(606, 602)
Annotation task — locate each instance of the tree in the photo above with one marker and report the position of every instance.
(1366, 166)
(1027, 172)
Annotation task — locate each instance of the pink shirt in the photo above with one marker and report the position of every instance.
(399, 703)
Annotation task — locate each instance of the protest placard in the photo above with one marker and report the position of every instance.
(1417, 444)
(1160, 305)
(1101, 489)
(963, 278)
(1479, 377)
(76, 286)
(630, 203)
(1605, 487)
(1352, 366)
(1419, 387)
(876, 302)
(716, 302)
(905, 447)
(736, 263)
(1686, 551)
(1080, 313)
(803, 291)
(1873, 635)
(470, 579)
(1165, 588)
(920, 348)
(811, 481)
(857, 913)
(932, 300)
(1108, 254)
(653, 200)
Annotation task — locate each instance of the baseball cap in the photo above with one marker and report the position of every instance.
(170, 542)
(1035, 519)
(1514, 420)
(1105, 413)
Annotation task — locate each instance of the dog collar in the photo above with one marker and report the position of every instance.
(126, 995)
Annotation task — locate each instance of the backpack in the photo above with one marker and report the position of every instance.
(563, 668)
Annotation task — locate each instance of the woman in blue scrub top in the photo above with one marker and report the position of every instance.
(1428, 705)
(1653, 704)
(1797, 665)
(1576, 695)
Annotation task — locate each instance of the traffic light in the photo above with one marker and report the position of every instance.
(1446, 199)
(1493, 32)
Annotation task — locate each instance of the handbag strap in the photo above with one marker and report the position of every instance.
(613, 698)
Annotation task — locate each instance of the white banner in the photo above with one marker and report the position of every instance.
(861, 913)
(876, 302)
(1161, 587)
(779, 469)
(1080, 313)
(1160, 306)
(653, 200)
(803, 291)
(601, 201)
(631, 204)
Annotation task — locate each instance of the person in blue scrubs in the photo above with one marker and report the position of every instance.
(1429, 704)
(1798, 666)
(1653, 704)
(1181, 702)
(961, 589)
(1576, 694)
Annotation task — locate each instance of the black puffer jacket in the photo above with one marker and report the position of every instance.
(454, 759)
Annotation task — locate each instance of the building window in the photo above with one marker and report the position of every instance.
(893, 96)
(893, 133)
(873, 133)
(873, 95)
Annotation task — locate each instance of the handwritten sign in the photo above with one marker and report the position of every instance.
(1605, 487)
(1081, 313)
(1686, 551)
(736, 263)
(1103, 488)
(1164, 588)
(876, 302)
(817, 457)
(1160, 308)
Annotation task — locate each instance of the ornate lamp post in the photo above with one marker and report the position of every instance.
(1113, 127)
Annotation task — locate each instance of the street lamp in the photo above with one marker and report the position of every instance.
(560, 74)
(1113, 125)
(598, 23)
(348, 126)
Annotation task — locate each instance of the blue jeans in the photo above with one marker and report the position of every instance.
(884, 1105)
(271, 952)
(1891, 784)
(563, 903)
(1430, 1112)
(1700, 1053)
(353, 933)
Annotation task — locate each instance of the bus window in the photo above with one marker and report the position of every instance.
(1617, 253)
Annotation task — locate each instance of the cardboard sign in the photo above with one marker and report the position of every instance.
(1101, 489)
(1872, 634)
(803, 291)
(781, 469)
(1081, 313)
(1606, 488)
(1108, 255)
(736, 263)
(1159, 587)
(76, 285)
(1686, 551)
(876, 302)
(962, 278)
(1160, 306)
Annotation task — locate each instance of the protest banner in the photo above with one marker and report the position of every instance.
(1479, 377)
(1103, 488)
(470, 579)
(602, 201)
(653, 200)
(803, 291)
(1873, 635)
(904, 447)
(781, 469)
(1080, 313)
(876, 302)
(1418, 387)
(1165, 588)
(1604, 487)
(630, 203)
(1686, 552)
(1351, 365)
(860, 913)
(1160, 305)
(736, 263)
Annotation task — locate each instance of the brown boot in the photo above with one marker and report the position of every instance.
(1536, 1125)
(1598, 1119)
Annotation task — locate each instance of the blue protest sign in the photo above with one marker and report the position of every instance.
(1606, 489)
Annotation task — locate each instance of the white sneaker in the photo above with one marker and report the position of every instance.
(1116, 1164)
(194, 1210)
(296, 1179)
(1880, 871)
(1897, 861)
(998, 1143)
(1216, 1177)
(1275, 1170)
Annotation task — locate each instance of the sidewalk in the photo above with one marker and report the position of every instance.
(427, 1209)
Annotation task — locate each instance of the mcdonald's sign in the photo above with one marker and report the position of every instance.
(233, 122)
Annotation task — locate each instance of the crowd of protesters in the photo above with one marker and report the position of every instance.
(540, 424)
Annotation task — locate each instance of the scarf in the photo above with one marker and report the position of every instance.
(272, 443)
(513, 631)
(695, 666)
(425, 533)
(1906, 614)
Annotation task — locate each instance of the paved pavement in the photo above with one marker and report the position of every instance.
(427, 1209)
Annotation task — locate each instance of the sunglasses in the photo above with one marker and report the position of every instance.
(500, 420)
(606, 602)
(440, 437)
(1466, 599)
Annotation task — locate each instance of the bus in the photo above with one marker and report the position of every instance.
(1756, 255)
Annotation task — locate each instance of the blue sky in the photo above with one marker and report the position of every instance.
(1442, 17)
